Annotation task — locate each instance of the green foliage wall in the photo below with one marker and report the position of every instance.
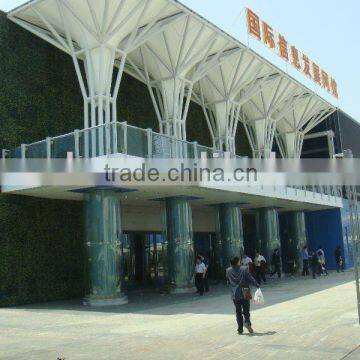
(42, 256)
(38, 95)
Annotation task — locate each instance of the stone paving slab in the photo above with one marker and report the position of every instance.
(302, 319)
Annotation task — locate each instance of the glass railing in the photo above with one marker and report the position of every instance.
(14, 153)
(114, 138)
(36, 150)
(137, 143)
(121, 138)
(205, 151)
(62, 145)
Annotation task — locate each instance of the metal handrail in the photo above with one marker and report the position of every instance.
(149, 133)
(107, 125)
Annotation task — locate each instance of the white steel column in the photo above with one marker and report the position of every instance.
(260, 127)
(219, 94)
(290, 144)
(223, 121)
(293, 125)
(98, 34)
(170, 64)
(172, 99)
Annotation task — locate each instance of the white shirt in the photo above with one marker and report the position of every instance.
(258, 260)
(200, 268)
(246, 261)
(321, 256)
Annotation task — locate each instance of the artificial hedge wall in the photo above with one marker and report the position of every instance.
(42, 256)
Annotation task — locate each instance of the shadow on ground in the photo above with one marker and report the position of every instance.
(255, 334)
(276, 291)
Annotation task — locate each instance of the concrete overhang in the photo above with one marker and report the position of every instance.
(250, 197)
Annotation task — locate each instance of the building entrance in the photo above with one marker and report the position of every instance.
(205, 244)
(143, 259)
(251, 236)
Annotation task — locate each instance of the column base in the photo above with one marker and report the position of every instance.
(89, 301)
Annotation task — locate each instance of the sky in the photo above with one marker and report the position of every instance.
(326, 30)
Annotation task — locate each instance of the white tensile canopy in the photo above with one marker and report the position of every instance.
(181, 57)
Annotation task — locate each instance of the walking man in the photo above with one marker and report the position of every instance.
(305, 259)
(260, 268)
(240, 280)
(276, 263)
(200, 271)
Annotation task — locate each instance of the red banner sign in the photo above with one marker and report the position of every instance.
(265, 33)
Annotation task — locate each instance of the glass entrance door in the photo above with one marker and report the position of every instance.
(143, 259)
(204, 244)
(155, 257)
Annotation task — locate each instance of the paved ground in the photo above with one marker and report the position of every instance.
(302, 319)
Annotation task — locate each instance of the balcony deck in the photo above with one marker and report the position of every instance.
(122, 139)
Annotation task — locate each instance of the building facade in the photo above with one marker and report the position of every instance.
(151, 81)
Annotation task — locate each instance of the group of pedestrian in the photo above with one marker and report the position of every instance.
(317, 262)
(246, 272)
(259, 267)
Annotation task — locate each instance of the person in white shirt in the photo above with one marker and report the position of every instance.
(246, 261)
(260, 268)
(200, 271)
(322, 261)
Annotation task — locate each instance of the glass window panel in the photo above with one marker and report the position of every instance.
(136, 142)
(62, 145)
(36, 150)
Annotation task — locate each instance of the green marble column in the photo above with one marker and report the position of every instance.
(103, 237)
(297, 236)
(179, 244)
(230, 232)
(268, 232)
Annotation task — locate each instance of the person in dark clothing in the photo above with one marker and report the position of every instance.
(338, 259)
(276, 263)
(240, 280)
(291, 265)
(305, 259)
(314, 262)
